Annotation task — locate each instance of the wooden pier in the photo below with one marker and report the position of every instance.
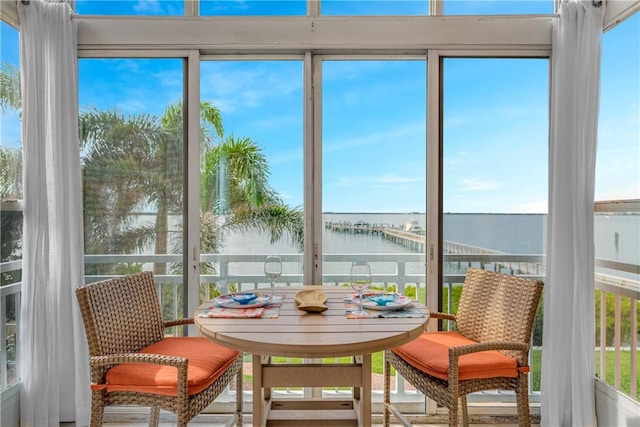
(416, 242)
(359, 227)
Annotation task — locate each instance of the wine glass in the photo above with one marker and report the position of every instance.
(360, 281)
(272, 269)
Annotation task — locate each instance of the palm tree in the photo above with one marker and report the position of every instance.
(10, 178)
(10, 97)
(133, 163)
(10, 158)
(235, 196)
(119, 167)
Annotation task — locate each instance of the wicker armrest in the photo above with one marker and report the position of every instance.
(456, 352)
(178, 322)
(439, 315)
(158, 359)
(105, 362)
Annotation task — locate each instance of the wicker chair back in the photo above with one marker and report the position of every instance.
(127, 304)
(498, 307)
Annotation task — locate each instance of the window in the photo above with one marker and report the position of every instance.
(131, 136)
(505, 7)
(617, 172)
(617, 210)
(495, 141)
(130, 7)
(251, 193)
(374, 7)
(10, 204)
(253, 8)
(374, 170)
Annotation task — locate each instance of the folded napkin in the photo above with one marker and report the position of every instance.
(311, 300)
(270, 311)
(245, 313)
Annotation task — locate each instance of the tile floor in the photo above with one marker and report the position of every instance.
(213, 422)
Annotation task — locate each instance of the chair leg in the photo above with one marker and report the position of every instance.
(465, 411)
(522, 399)
(453, 412)
(97, 408)
(387, 393)
(239, 396)
(154, 416)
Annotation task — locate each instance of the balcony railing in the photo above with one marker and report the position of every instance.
(228, 276)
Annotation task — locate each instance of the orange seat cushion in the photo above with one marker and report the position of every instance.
(207, 361)
(430, 353)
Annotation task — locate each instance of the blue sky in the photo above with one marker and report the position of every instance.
(495, 124)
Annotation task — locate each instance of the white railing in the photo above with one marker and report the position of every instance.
(626, 294)
(10, 295)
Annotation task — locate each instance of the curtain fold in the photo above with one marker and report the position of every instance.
(54, 354)
(568, 358)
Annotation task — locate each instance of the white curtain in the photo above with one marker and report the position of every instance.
(54, 355)
(568, 358)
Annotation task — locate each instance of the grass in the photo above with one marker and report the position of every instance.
(377, 362)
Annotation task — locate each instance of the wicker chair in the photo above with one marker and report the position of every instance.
(488, 351)
(133, 363)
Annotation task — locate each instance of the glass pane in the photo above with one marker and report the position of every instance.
(253, 8)
(374, 7)
(490, 7)
(130, 7)
(10, 202)
(618, 178)
(617, 171)
(132, 166)
(252, 174)
(374, 169)
(495, 168)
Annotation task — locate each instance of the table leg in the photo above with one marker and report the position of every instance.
(259, 412)
(365, 395)
(362, 394)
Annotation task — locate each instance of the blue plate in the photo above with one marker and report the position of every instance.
(382, 299)
(243, 298)
(397, 303)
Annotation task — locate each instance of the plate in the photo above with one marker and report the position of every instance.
(401, 302)
(227, 301)
(243, 298)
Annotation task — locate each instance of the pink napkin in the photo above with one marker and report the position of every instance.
(246, 313)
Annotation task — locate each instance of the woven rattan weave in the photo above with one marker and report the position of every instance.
(495, 310)
(121, 317)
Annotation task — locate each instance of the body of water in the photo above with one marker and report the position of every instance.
(617, 237)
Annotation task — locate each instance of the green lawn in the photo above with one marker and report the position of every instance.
(377, 360)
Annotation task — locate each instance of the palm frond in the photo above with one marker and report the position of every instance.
(10, 93)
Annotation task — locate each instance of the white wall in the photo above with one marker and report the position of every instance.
(614, 409)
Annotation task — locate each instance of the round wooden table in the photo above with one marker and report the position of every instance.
(295, 333)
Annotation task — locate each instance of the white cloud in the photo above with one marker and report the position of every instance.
(145, 6)
(535, 206)
(477, 184)
(235, 88)
(407, 131)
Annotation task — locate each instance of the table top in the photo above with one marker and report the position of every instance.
(295, 333)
